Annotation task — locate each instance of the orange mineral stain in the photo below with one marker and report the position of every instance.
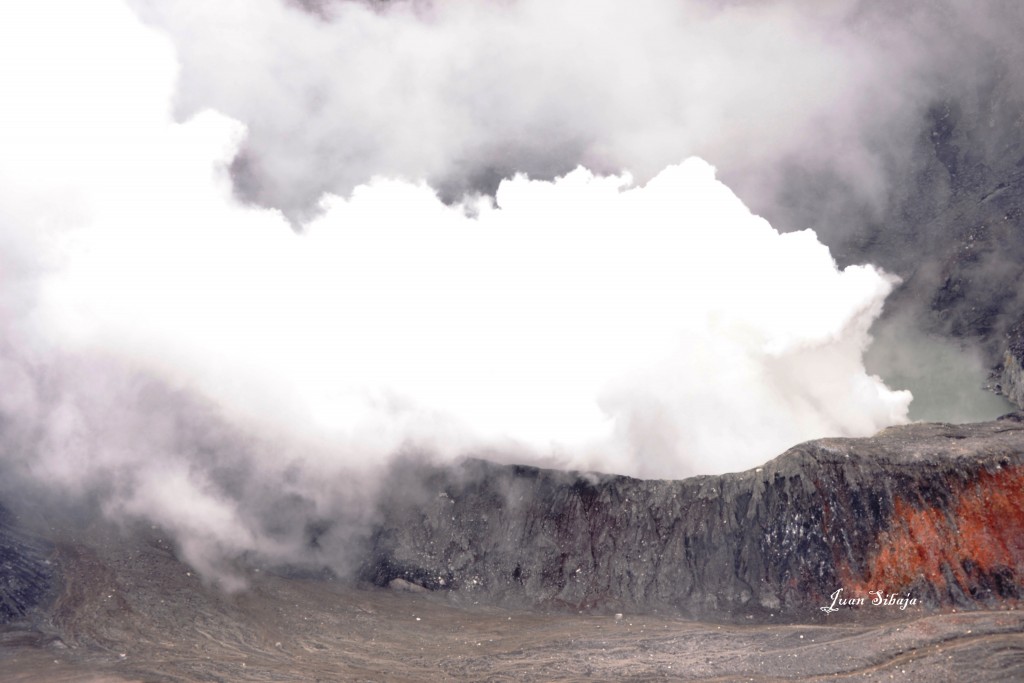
(981, 532)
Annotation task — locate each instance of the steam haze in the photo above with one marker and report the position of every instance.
(463, 94)
(251, 252)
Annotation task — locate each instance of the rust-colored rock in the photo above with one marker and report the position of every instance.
(975, 545)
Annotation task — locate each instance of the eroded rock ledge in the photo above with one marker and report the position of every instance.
(931, 510)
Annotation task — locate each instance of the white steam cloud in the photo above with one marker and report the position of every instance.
(559, 319)
(461, 93)
(198, 363)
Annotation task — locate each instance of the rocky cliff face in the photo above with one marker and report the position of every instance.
(1011, 372)
(963, 214)
(27, 577)
(932, 511)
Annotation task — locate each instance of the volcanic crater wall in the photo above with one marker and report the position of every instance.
(931, 510)
(28, 578)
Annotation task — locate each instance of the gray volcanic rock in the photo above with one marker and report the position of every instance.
(27, 577)
(1011, 372)
(932, 511)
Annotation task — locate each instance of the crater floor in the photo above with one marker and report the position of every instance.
(130, 611)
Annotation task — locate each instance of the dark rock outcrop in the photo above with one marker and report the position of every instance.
(932, 511)
(1011, 372)
(27, 577)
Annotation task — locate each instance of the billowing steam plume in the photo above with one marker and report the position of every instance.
(234, 371)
